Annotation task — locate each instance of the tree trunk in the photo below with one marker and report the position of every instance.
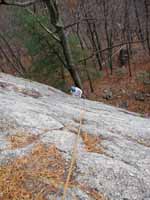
(147, 5)
(140, 33)
(85, 63)
(59, 28)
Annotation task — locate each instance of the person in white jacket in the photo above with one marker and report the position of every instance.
(75, 91)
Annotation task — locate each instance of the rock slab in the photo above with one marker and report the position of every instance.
(120, 172)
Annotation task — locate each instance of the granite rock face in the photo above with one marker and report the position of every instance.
(121, 171)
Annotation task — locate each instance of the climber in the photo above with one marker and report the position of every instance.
(75, 91)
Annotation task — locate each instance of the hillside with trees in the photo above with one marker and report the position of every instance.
(101, 46)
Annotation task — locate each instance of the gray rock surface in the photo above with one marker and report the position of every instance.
(121, 171)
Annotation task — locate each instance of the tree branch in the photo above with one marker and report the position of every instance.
(44, 27)
(79, 21)
(21, 4)
(103, 50)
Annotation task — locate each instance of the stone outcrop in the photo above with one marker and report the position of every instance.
(113, 148)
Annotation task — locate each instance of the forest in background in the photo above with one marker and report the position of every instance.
(102, 46)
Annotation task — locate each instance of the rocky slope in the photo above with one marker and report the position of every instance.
(39, 128)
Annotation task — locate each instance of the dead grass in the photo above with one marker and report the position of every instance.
(34, 176)
(20, 140)
(92, 143)
(92, 192)
(44, 171)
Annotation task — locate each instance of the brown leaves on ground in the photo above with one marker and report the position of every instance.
(123, 88)
(72, 4)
